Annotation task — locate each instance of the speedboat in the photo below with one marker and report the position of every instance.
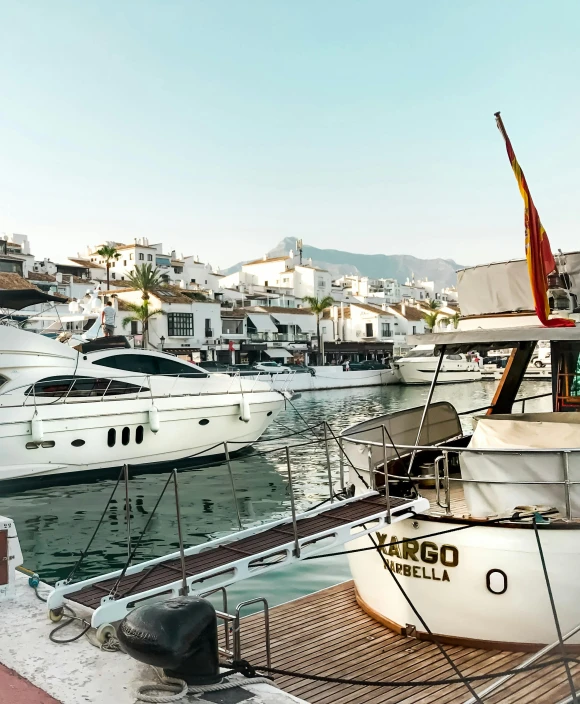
(65, 410)
(420, 364)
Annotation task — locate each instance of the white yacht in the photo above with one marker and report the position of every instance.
(64, 410)
(420, 364)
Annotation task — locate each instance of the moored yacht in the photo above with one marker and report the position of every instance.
(64, 411)
(420, 364)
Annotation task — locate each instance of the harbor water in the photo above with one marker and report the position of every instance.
(55, 523)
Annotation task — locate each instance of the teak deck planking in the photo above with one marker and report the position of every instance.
(327, 633)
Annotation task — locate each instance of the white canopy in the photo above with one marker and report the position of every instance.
(306, 323)
(278, 352)
(263, 322)
(543, 432)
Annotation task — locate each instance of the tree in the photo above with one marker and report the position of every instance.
(318, 306)
(108, 252)
(431, 319)
(146, 279)
(434, 304)
(143, 314)
(455, 319)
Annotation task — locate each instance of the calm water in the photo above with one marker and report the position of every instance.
(55, 523)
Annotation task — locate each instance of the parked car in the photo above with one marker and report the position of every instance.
(367, 364)
(271, 367)
(301, 369)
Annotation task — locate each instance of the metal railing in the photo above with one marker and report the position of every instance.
(38, 393)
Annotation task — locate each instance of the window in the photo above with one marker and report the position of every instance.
(232, 327)
(139, 435)
(149, 257)
(141, 256)
(81, 387)
(125, 436)
(385, 330)
(124, 262)
(149, 364)
(193, 281)
(134, 329)
(131, 257)
(414, 329)
(265, 283)
(369, 330)
(112, 274)
(180, 324)
(208, 330)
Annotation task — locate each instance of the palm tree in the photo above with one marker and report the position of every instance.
(108, 252)
(455, 319)
(146, 279)
(434, 303)
(143, 314)
(431, 319)
(318, 306)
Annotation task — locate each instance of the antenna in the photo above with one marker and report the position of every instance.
(299, 248)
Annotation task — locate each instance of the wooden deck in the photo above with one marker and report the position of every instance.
(327, 633)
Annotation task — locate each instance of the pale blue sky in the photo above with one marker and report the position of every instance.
(219, 127)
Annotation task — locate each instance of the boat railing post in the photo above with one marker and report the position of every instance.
(386, 473)
(127, 510)
(523, 405)
(106, 390)
(372, 478)
(228, 461)
(328, 467)
(341, 463)
(183, 589)
(292, 504)
(446, 483)
(566, 457)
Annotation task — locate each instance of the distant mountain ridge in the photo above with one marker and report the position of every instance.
(390, 266)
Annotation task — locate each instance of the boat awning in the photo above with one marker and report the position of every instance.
(276, 352)
(17, 299)
(263, 322)
(494, 338)
(306, 323)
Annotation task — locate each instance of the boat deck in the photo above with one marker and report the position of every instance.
(327, 633)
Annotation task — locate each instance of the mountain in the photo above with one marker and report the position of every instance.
(376, 266)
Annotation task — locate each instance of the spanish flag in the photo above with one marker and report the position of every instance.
(538, 252)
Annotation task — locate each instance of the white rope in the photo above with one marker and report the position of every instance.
(177, 689)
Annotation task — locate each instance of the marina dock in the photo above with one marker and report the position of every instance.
(327, 633)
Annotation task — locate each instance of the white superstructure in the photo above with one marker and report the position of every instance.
(420, 365)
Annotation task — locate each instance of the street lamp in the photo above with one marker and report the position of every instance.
(162, 340)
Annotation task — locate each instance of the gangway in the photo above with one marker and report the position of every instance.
(229, 559)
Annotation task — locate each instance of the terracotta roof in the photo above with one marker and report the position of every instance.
(370, 307)
(86, 263)
(238, 313)
(122, 305)
(327, 315)
(38, 276)
(273, 259)
(411, 312)
(14, 282)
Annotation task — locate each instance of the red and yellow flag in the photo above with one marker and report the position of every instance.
(538, 252)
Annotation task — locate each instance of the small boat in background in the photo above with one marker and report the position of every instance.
(420, 365)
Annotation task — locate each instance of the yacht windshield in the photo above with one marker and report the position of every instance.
(150, 364)
(422, 353)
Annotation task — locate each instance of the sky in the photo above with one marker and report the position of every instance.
(218, 127)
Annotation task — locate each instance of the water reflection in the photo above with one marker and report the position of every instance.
(55, 523)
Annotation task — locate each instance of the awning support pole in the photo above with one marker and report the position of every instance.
(427, 404)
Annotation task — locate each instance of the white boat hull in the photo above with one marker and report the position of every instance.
(416, 374)
(482, 583)
(188, 426)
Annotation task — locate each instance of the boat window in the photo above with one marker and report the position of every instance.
(421, 353)
(150, 364)
(81, 387)
(125, 436)
(139, 435)
(111, 437)
(568, 380)
(455, 357)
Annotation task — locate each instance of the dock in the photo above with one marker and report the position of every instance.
(327, 633)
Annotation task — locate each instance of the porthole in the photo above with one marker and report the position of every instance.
(47, 443)
(32, 445)
(111, 437)
(139, 435)
(77, 443)
(125, 436)
(496, 581)
(204, 421)
(269, 413)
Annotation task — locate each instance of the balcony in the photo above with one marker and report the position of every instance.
(279, 337)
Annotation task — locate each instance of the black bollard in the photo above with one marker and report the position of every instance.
(179, 635)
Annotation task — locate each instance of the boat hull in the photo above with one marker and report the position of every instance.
(80, 437)
(482, 586)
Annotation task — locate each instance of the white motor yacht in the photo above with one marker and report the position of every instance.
(63, 410)
(420, 365)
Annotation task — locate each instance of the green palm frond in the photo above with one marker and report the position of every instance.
(145, 278)
(141, 312)
(318, 305)
(431, 319)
